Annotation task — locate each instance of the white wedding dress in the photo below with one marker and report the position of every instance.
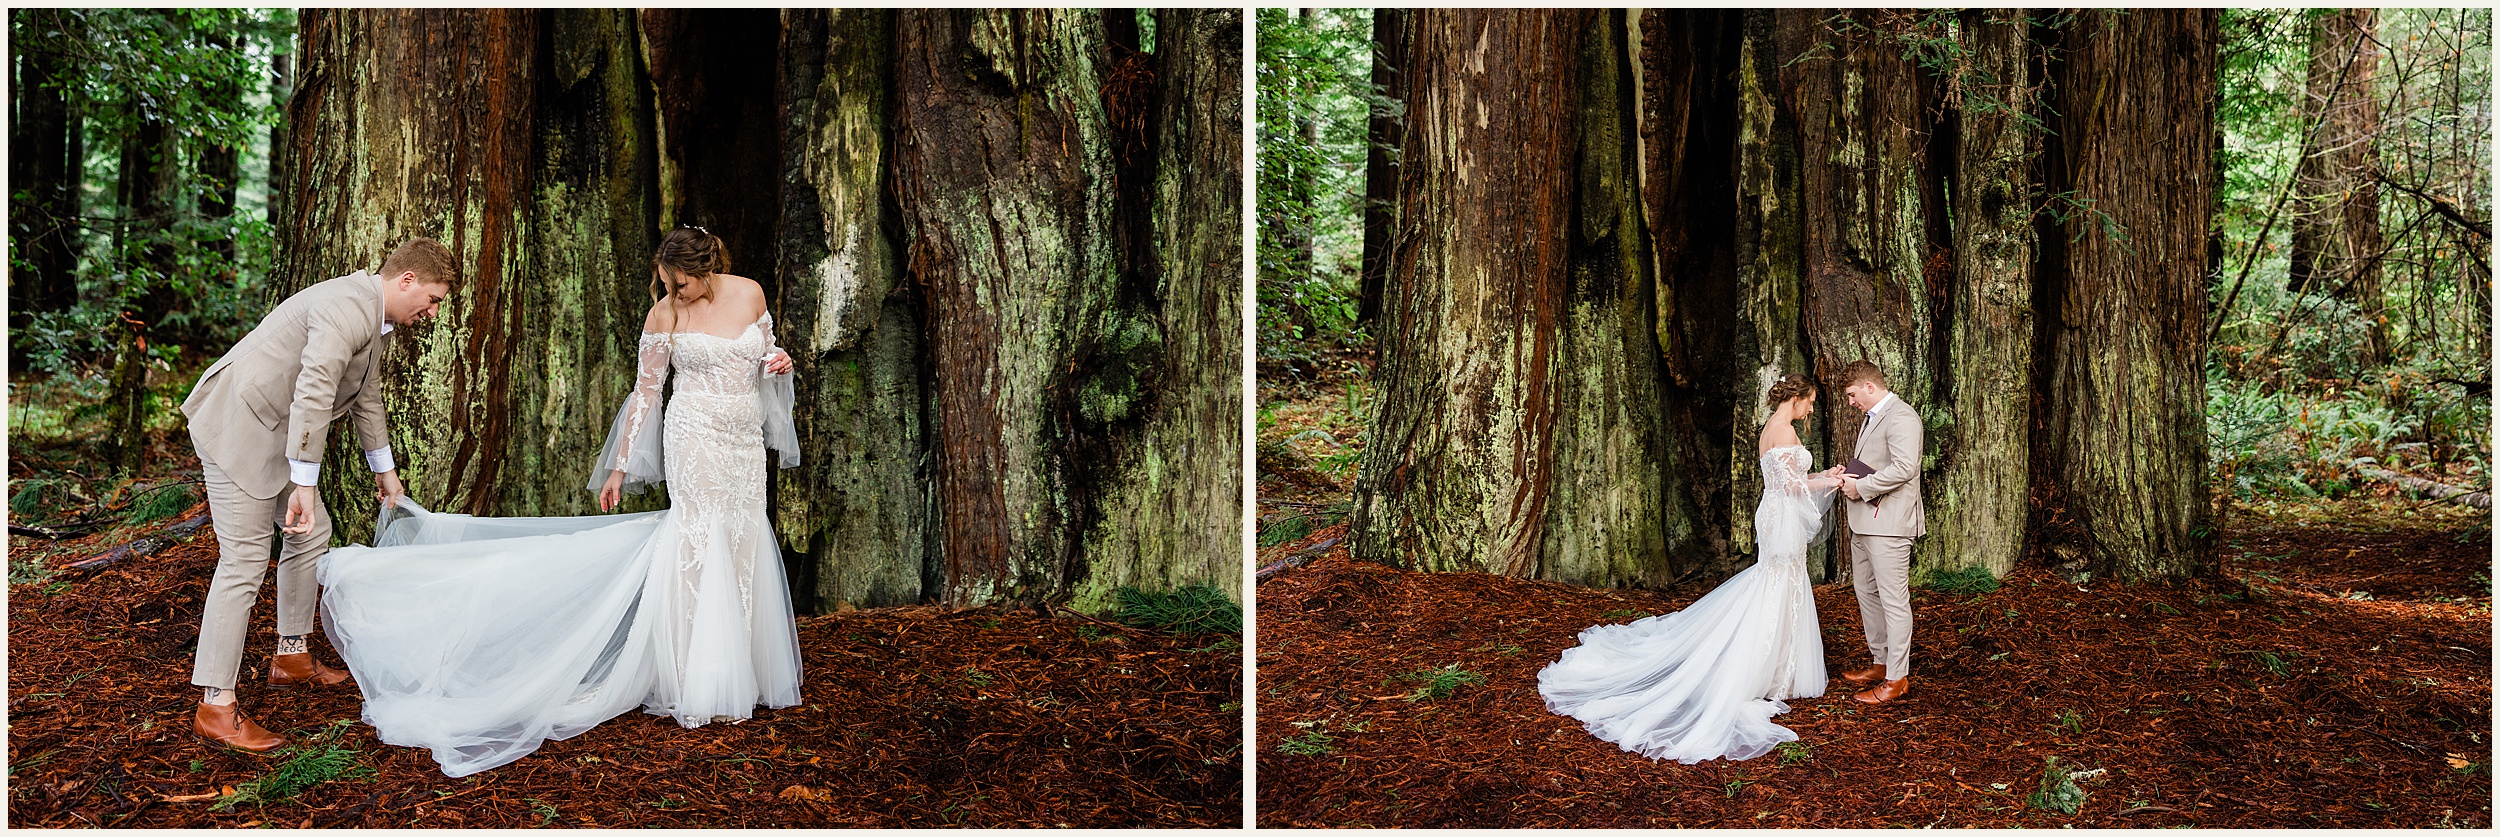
(1703, 682)
(479, 637)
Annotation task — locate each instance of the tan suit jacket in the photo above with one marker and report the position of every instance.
(314, 358)
(1890, 444)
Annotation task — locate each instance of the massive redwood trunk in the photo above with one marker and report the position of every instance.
(1771, 192)
(885, 176)
(520, 139)
(1516, 427)
(2123, 435)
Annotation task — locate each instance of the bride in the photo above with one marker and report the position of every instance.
(479, 638)
(1703, 682)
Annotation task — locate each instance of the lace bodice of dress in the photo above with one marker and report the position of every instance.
(713, 432)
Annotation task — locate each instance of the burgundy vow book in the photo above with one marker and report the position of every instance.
(1858, 468)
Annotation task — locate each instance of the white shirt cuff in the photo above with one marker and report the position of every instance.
(379, 459)
(301, 472)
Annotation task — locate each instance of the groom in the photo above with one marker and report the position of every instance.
(259, 418)
(1885, 514)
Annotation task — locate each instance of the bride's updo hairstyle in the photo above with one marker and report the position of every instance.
(690, 250)
(1791, 387)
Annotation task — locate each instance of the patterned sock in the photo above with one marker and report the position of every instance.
(214, 696)
(292, 645)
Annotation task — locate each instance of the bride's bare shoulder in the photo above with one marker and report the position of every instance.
(743, 293)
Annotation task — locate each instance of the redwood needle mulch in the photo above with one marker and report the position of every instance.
(2339, 675)
(913, 717)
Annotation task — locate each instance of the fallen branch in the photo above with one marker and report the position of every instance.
(1307, 555)
(140, 548)
(2437, 490)
(2143, 808)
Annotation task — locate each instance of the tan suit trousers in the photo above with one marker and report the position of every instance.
(1879, 566)
(245, 525)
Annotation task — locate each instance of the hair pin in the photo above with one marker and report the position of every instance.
(698, 228)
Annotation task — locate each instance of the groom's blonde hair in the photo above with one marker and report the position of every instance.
(429, 259)
(1859, 371)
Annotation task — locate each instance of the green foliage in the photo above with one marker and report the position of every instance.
(1795, 752)
(1288, 530)
(1315, 101)
(2058, 791)
(162, 502)
(2070, 721)
(326, 758)
(190, 273)
(1440, 682)
(2284, 442)
(1195, 609)
(1312, 742)
(1624, 613)
(2292, 398)
(1967, 581)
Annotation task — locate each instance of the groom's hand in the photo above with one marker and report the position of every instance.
(300, 504)
(1849, 486)
(389, 487)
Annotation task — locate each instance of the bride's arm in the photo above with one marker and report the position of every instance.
(779, 393)
(632, 459)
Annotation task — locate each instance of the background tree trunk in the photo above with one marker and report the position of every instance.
(2335, 228)
(2125, 427)
(1982, 488)
(42, 269)
(1876, 264)
(522, 140)
(1807, 188)
(221, 166)
(1169, 512)
(1380, 163)
(281, 91)
(1462, 448)
(1003, 172)
(1697, 141)
(857, 508)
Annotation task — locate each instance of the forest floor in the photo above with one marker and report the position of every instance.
(913, 716)
(2339, 674)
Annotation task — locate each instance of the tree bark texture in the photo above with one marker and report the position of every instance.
(885, 176)
(1464, 443)
(1770, 192)
(1695, 146)
(1169, 511)
(522, 140)
(1984, 454)
(2335, 225)
(1002, 170)
(860, 510)
(2125, 423)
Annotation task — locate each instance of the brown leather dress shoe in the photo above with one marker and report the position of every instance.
(1889, 690)
(302, 669)
(1865, 675)
(226, 727)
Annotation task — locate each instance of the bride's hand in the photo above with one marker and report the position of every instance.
(613, 492)
(778, 364)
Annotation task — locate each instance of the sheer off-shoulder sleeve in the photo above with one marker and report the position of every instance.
(779, 394)
(634, 438)
(1789, 474)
